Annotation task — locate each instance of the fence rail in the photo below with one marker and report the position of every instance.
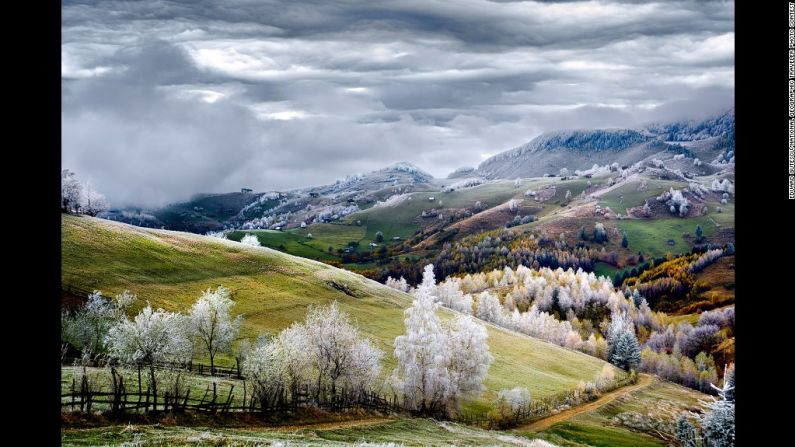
(84, 396)
(201, 369)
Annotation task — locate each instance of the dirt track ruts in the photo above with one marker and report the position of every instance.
(543, 424)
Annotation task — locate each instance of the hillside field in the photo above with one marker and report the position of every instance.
(273, 289)
(660, 402)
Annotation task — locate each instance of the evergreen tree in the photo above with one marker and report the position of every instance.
(624, 241)
(686, 432)
(626, 351)
(556, 302)
(637, 299)
(718, 422)
(618, 279)
(699, 234)
(728, 383)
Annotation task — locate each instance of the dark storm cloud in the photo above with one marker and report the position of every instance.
(163, 99)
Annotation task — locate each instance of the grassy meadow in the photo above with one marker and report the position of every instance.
(273, 289)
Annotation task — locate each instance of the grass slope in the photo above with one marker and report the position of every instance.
(273, 289)
(381, 432)
(659, 402)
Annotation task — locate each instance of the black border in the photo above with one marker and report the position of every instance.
(762, 278)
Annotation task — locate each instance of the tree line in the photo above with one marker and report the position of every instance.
(324, 358)
(581, 311)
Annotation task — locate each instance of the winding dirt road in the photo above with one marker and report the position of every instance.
(543, 424)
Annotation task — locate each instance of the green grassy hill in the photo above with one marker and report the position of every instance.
(273, 289)
(654, 409)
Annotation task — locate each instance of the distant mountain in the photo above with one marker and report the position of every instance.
(692, 130)
(200, 214)
(463, 172)
(214, 212)
(711, 140)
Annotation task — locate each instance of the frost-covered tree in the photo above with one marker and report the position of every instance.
(701, 339)
(686, 432)
(469, 358)
(337, 352)
(265, 369)
(325, 353)
(71, 192)
(511, 403)
(718, 422)
(599, 233)
(152, 337)
(211, 324)
(625, 351)
(87, 328)
(250, 239)
(724, 185)
(564, 172)
(513, 204)
(623, 346)
(398, 284)
(489, 308)
(422, 352)
(451, 296)
(92, 202)
(728, 383)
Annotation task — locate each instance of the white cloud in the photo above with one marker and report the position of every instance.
(198, 96)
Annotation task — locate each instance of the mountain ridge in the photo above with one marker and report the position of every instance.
(542, 154)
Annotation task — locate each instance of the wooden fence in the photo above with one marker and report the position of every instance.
(201, 369)
(85, 396)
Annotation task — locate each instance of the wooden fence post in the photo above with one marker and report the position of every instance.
(72, 406)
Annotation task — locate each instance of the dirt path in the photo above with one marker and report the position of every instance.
(543, 424)
(618, 184)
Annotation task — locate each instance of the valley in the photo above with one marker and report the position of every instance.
(554, 303)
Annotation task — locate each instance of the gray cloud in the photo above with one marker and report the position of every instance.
(163, 99)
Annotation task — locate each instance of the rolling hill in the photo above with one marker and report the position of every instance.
(272, 289)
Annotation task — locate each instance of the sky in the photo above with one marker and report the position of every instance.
(165, 99)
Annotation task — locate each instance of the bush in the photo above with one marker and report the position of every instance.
(509, 407)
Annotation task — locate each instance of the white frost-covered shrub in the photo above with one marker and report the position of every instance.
(723, 186)
(676, 201)
(397, 284)
(517, 399)
(250, 239)
(513, 204)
